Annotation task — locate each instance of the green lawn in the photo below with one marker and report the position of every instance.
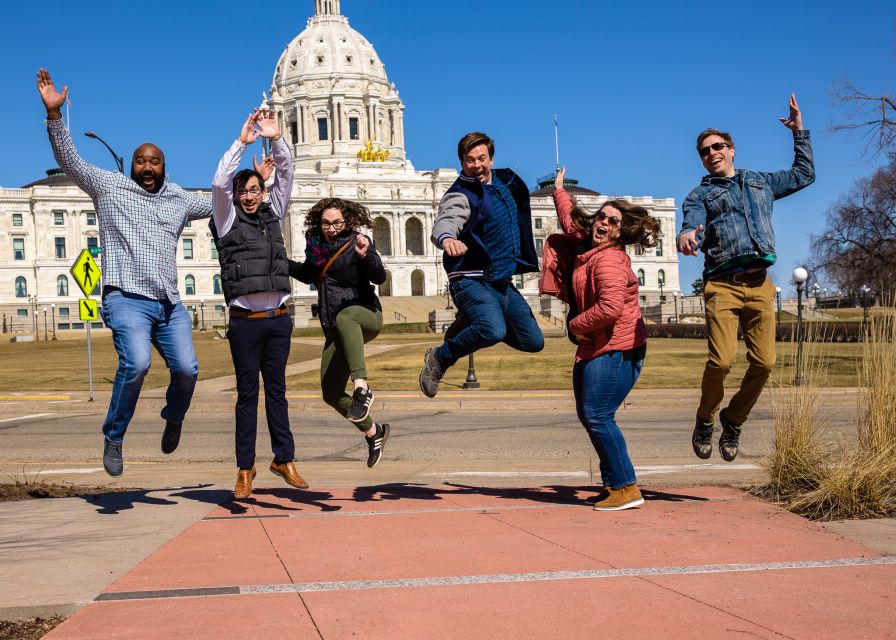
(671, 363)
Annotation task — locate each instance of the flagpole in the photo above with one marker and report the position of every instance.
(556, 143)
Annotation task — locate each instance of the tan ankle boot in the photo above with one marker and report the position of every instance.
(619, 499)
(244, 480)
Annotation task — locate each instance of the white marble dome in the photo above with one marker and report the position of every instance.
(328, 46)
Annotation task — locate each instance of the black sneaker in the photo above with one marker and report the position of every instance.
(431, 374)
(113, 462)
(729, 438)
(361, 400)
(701, 439)
(376, 443)
(171, 437)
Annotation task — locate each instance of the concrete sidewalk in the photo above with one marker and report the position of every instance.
(396, 560)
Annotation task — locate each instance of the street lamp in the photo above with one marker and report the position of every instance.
(815, 289)
(800, 275)
(778, 297)
(864, 290)
(661, 282)
(676, 294)
(32, 301)
(53, 309)
(202, 311)
(45, 325)
(472, 382)
(119, 161)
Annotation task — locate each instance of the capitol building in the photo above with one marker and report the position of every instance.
(344, 121)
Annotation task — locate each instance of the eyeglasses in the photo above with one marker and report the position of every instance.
(611, 220)
(254, 191)
(715, 146)
(337, 224)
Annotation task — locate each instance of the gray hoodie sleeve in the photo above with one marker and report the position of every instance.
(454, 211)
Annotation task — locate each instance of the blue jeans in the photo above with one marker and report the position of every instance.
(495, 312)
(600, 386)
(138, 322)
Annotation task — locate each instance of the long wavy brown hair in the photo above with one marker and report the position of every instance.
(637, 227)
(356, 214)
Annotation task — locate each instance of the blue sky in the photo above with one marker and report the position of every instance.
(632, 83)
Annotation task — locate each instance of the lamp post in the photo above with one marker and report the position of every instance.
(202, 311)
(800, 276)
(45, 325)
(53, 309)
(472, 382)
(119, 161)
(778, 298)
(864, 290)
(815, 289)
(32, 301)
(675, 295)
(660, 282)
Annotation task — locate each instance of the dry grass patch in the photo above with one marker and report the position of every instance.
(854, 478)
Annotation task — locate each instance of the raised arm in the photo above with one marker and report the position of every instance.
(564, 206)
(223, 209)
(281, 190)
(87, 176)
(802, 172)
(369, 262)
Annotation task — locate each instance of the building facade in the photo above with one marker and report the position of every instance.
(344, 121)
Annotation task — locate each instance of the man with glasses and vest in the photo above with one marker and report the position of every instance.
(728, 217)
(484, 226)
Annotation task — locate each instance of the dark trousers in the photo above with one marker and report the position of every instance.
(261, 345)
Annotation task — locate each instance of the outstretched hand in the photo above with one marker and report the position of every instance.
(267, 124)
(687, 241)
(794, 121)
(361, 245)
(249, 134)
(266, 168)
(53, 100)
(558, 181)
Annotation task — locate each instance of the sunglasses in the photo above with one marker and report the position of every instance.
(715, 146)
(613, 221)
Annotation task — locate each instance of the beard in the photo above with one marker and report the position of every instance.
(137, 177)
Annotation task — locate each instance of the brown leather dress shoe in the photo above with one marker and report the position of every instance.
(243, 487)
(287, 471)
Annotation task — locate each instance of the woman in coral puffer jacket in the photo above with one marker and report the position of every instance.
(611, 333)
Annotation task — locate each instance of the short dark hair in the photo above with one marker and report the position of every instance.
(472, 140)
(724, 135)
(240, 180)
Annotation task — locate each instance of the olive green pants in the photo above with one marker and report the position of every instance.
(745, 301)
(343, 356)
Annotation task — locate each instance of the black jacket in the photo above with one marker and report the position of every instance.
(252, 254)
(349, 280)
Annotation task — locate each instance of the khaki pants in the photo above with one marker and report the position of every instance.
(745, 300)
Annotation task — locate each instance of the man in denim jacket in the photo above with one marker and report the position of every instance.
(729, 217)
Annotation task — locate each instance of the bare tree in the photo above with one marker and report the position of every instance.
(873, 116)
(858, 244)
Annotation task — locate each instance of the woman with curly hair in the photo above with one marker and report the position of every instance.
(344, 265)
(611, 334)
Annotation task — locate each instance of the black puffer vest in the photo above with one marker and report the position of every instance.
(252, 254)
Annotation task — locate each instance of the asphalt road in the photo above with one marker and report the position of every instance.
(503, 437)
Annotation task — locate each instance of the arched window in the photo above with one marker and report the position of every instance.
(61, 286)
(216, 284)
(190, 286)
(661, 277)
(21, 287)
(640, 277)
(382, 236)
(413, 237)
(417, 283)
(386, 287)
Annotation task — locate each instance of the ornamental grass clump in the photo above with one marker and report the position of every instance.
(855, 478)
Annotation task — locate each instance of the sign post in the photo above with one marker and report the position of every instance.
(87, 274)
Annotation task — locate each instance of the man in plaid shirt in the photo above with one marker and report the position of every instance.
(141, 218)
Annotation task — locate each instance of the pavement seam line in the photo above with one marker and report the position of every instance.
(391, 512)
(443, 581)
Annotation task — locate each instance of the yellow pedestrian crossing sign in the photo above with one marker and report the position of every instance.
(88, 309)
(86, 273)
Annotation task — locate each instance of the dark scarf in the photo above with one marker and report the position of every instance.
(318, 250)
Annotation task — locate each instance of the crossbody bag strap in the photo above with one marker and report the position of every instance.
(332, 259)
